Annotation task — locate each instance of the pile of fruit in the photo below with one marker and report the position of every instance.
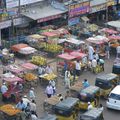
(53, 48)
(30, 77)
(50, 76)
(38, 60)
(10, 110)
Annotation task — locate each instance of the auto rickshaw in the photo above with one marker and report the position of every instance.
(93, 114)
(106, 83)
(66, 109)
(89, 94)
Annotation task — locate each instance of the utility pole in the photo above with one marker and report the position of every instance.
(106, 10)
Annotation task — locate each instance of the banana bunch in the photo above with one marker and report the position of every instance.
(50, 76)
(53, 48)
(38, 60)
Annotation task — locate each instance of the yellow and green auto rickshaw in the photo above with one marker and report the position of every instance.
(93, 114)
(66, 109)
(90, 94)
(106, 83)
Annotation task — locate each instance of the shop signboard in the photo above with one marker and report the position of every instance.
(79, 9)
(98, 8)
(15, 3)
(5, 24)
(111, 2)
(49, 18)
(73, 21)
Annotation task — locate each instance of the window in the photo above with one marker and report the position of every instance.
(114, 96)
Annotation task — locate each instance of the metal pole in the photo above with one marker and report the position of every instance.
(106, 11)
(19, 9)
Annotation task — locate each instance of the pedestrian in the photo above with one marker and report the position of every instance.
(20, 105)
(23, 114)
(49, 69)
(49, 90)
(25, 100)
(85, 83)
(90, 52)
(32, 94)
(90, 106)
(78, 67)
(40, 70)
(4, 89)
(33, 106)
(94, 65)
(67, 78)
(101, 107)
(34, 116)
(107, 50)
(27, 110)
(52, 82)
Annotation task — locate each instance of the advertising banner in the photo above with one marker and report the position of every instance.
(79, 9)
(15, 3)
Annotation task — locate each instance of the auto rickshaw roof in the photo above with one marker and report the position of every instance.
(67, 103)
(90, 90)
(107, 77)
(93, 114)
(48, 117)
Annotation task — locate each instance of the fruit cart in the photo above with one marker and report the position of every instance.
(71, 44)
(15, 69)
(65, 57)
(9, 112)
(45, 78)
(98, 42)
(30, 75)
(23, 49)
(38, 60)
(50, 102)
(75, 89)
(13, 94)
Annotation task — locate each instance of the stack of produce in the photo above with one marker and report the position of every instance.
(53, 48)
(30, 77)
(9, 109)
(51, 76)
(38, 60)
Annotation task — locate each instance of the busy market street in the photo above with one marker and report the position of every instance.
(63, 64)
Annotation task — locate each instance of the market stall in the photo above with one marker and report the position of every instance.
(15, 69)
(98, 42)
(46, 78)
(35, 40)
(9, 112)
(30, 75)
(13, 94)
(23, 49)
(108, 31)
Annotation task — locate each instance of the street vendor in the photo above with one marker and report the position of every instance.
(90, 52)
(4, 89)
(49, 69)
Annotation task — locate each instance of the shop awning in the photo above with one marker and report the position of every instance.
(37, 12)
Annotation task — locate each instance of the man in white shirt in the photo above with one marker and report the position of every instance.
(90, 52)
(25, 100)
(33, 106)
(94, 63)
(77, 67)
(49, 90)
(90, 106)
(4, 89)
(32, 94)
(49, 69)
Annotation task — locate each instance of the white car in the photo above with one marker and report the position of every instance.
(113, 101)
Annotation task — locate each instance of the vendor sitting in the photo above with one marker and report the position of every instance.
(49, 69)
(101, 63)
(4, 90)
(18, 86)
(94, 64)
